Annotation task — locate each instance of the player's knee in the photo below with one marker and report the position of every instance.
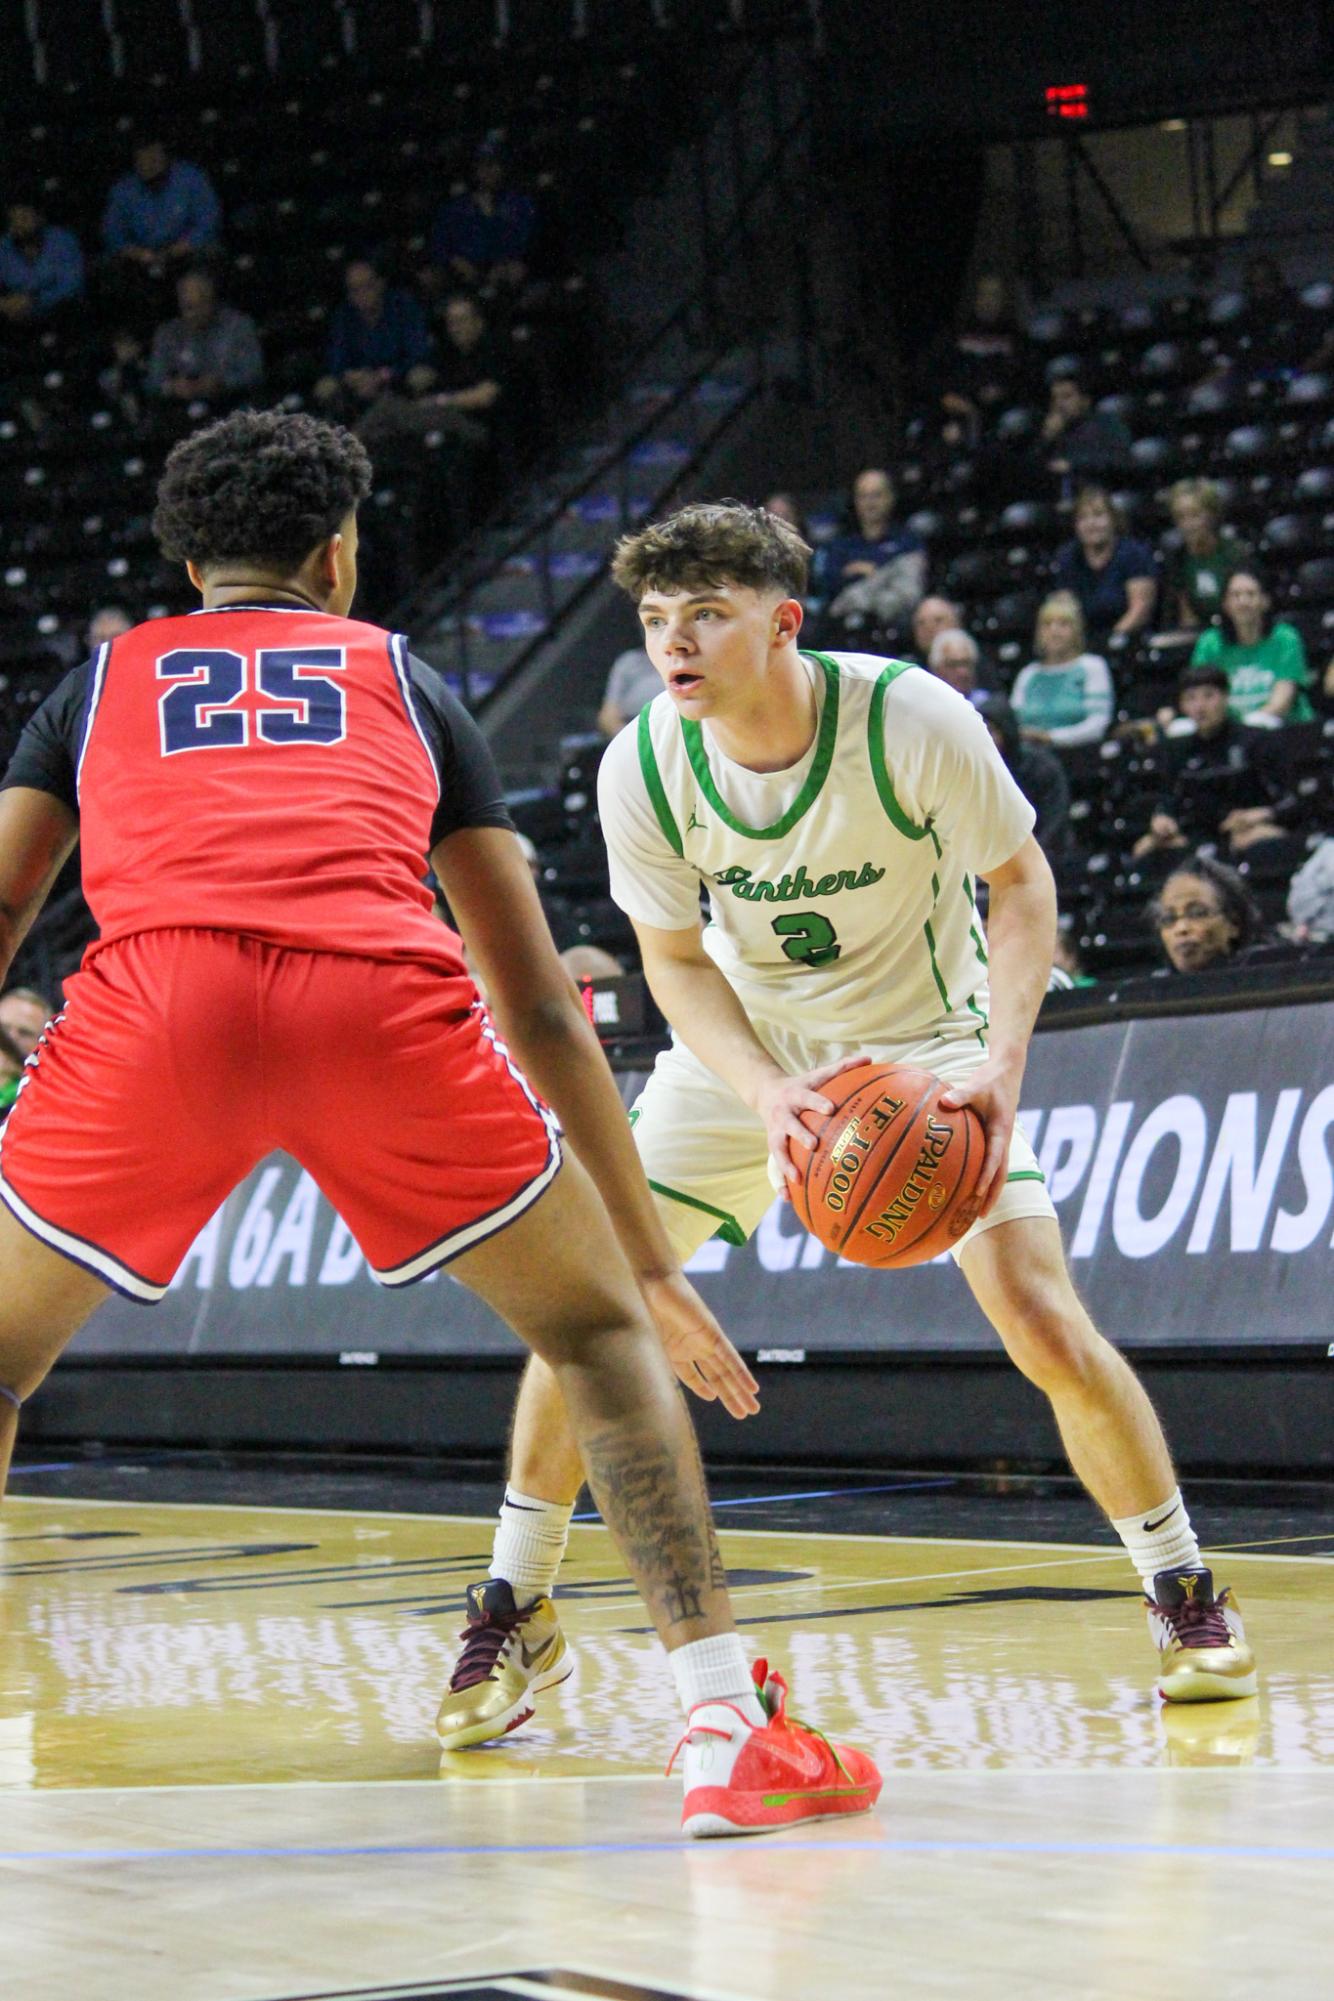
(581, 1334)
(1049, 1336)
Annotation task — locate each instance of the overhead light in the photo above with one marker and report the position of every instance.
(1173, 125)
(1280, 159)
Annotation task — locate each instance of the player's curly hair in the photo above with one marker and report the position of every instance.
(260, 486)
(711, 543)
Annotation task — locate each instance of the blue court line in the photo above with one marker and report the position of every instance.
(815, 1494)
(56, 1466)
(1193, 1851)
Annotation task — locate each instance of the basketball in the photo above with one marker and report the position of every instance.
(888, 1180)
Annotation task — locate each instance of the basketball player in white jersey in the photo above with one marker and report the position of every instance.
(834, 809)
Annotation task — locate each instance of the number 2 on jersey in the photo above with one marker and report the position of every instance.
(197, 713)
(807, 937)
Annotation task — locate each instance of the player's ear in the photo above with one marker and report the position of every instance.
(327, 558)
(787, 620)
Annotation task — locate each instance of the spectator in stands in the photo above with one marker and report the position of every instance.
(1111, 574)
(1271, 314)
(1311, 897)
(24, 1014)
(1198, 560)
(1078, 443)
(483, 238)
(161, 215)
(1264, 658)
(1038, 773)
(210, 354)
(11, 1075)
(41, 266)
(984, 360)
(788, 508)
(633, 680)
(124, 379)
(469, 368)
(1065, 696)
(934, 614)
(874, 572)
(1204, 915)
(1066, 959)
(379, 343)
(107, 623)
(954, 658)
(1212, 791)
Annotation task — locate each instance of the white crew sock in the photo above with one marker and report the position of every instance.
(529, 1544)
(716, 1670)
(1161, 1539)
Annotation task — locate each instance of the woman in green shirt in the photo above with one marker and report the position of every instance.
(1196, 568)
(1264, 659)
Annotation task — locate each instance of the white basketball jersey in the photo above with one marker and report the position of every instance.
(840, 890)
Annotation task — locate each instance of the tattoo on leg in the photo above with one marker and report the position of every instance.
(655, 1504)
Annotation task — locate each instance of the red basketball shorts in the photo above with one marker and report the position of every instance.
(182, 1057)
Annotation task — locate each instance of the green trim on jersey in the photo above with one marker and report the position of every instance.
(1026, 1174)
(973, 931)
(880, 770)
(815, 777)
(648, 765)
(728, 1228)
(935, 969)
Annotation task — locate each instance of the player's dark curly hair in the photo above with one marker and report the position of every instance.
(260, 486)
(711, 543)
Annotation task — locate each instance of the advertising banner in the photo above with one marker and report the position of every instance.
(1189, 1160)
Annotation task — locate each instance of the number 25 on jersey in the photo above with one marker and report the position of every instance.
(199, 711)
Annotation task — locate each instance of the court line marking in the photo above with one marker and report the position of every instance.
(678, 1845)
(911, 1774)
(1076, 1551)
(812, 1494)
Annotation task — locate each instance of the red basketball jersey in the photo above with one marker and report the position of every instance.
(261, 771)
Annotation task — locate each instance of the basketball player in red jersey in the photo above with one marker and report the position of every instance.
(255, 787)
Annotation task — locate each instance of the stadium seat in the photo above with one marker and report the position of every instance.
(1314, 581)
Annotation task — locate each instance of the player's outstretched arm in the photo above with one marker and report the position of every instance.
(537, 1008)
(37, 835)
(1021, 938)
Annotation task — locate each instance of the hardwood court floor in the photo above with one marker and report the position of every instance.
(218, 1780)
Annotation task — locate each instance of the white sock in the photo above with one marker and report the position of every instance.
(1161, 1539)
(716, 1670)
(529, 1544)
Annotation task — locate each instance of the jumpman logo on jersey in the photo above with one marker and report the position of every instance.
(693, 822)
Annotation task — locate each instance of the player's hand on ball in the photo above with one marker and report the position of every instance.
(697, 1348)
(781, 1104)
(993, 1093)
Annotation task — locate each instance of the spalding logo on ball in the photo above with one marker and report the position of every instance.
(890, 1179)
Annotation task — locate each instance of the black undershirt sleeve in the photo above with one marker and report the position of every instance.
(46, 756)
(471, 794)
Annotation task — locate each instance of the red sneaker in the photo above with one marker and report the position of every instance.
(743, 1779)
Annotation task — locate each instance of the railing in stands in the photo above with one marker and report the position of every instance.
(722, 321)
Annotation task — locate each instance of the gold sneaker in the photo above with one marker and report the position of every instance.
(508, 1657)
(1200, 1639)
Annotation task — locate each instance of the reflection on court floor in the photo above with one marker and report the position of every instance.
(158, 1646)
(218, 1780)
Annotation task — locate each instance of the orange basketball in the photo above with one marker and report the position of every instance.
(888, 1180)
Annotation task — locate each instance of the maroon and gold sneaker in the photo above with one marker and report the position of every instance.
(743, 1778)
(1200, 1639)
